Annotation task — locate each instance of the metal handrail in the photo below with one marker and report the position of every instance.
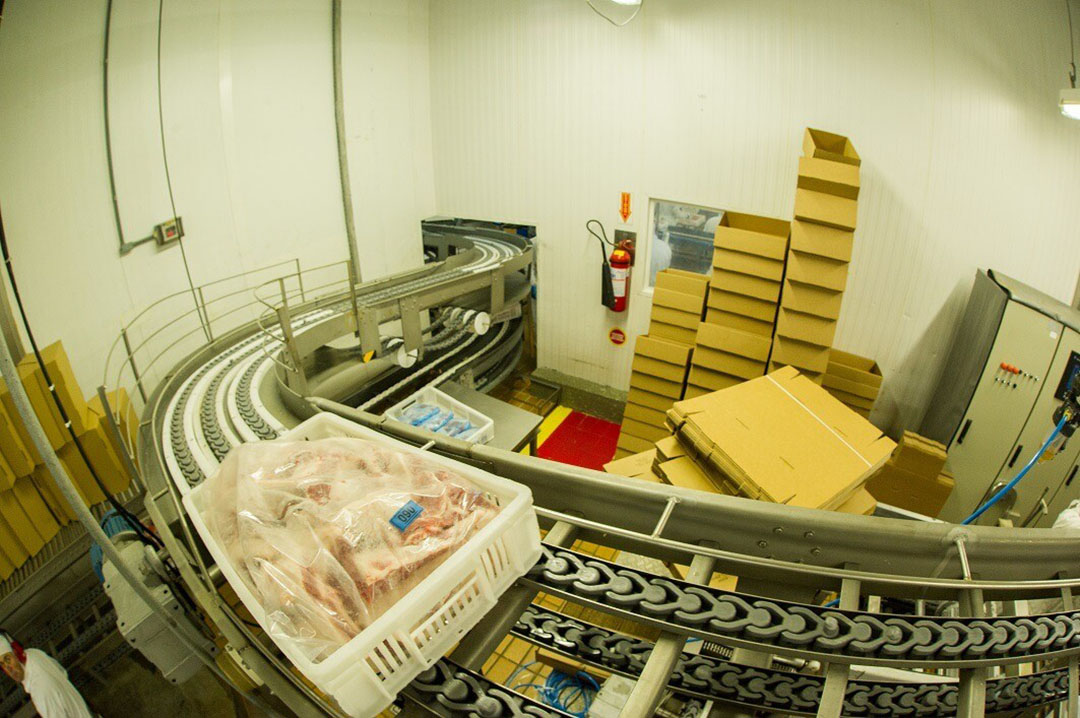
(132, 356)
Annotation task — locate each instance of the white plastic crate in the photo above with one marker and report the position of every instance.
(366, 673)
(483, 429)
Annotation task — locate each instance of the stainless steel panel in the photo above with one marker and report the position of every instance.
(1000, 407)
(1042, 482)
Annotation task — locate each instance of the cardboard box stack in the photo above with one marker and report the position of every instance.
(822, 237)
(914, 478)
(854, 380)
(780, 438)
(677, 305)
(744, 290)
(31, 507)
(661, 359)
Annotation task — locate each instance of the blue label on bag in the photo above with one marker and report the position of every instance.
(406, 515)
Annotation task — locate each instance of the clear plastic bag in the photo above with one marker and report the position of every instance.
(328, 534)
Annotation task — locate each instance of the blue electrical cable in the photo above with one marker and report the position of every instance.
(1023, 472)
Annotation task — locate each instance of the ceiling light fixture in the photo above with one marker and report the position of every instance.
(636, 4)
(1069, 100)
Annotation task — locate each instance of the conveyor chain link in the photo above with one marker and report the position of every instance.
(706, 678)
(449, 690)
(725, 616)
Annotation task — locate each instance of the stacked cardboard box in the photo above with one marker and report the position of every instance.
(822, 236)
(677, 305)
(31, 507)
(744, 289)
(780, 438)
(914, 478)
(656, 381)
(661, 358)
(854, 380)
(724, 357)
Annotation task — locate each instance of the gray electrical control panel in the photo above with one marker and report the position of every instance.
(993, 408)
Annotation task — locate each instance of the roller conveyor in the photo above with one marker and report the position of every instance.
(239, 389)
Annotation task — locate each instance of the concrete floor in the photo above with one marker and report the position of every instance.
(136, 690)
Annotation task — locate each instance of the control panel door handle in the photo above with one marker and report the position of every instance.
(1016, 455)
(963, 432)
(1072, 475)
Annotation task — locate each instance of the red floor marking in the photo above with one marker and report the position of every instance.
(581, 440)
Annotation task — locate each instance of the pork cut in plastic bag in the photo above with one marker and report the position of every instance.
(325, 536)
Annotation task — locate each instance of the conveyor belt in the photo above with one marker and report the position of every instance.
(699, 676)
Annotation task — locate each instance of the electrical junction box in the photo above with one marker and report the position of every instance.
(169, 231)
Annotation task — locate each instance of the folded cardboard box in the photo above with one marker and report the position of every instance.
(679, 280)
(738, 321)
(782, 438)
(912, 492)
(633, 444)
(12, 449)
(640, 429)
(685, 473)
(678, 301)
(813, 376)
(800, 354)
(655, 385)
(727, 363)
(753, 234)
(660, 369)
(862, 503)
(762, 310)
(829, 177)
(805, 327)
(645, 415)
(649, 399)
(817, 270)
(817, 239)
(829, 146)
(745, 263)
(673, 332)
(809, 299)
(746, 284)
(862, 376)
(711, 380)
(662, 350)
(826, 209)
(731, 341)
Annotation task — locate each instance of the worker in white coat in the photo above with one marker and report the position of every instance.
(43, 679)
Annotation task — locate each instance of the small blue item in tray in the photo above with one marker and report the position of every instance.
(417, 414)
(437, 420)
(456, 427)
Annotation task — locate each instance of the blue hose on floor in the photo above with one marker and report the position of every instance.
(1023, 472)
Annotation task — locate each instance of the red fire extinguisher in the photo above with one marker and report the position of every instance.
(615, 272)
(619, 262)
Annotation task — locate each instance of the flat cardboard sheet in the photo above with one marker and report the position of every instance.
(671, 332)
(783, 439)
(655, 385)
(647, 398)
(633, 465)
(657, 368)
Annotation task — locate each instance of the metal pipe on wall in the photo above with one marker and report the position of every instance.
(342, 147)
